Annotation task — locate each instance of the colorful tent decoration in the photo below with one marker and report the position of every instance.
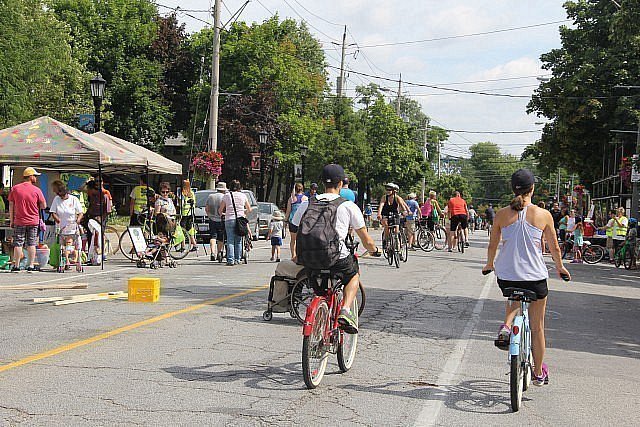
(157, 163)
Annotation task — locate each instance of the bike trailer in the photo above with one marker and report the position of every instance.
(287, 274)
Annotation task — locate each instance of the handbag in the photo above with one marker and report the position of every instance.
(242, 223)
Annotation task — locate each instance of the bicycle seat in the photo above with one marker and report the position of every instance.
(322, 280)
(518, 294)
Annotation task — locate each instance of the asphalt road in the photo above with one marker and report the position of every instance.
(203, 354)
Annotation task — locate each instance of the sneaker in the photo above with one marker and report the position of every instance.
(33, 268)
(347, 321)
(449, 250)
(575, 261)
(212, 257)
(15, 269)
(466, 244)
(277, 259)
(219, 256)
(542, 379)
(193, 249)
(231, 264)
(272, 259)
(504, 336)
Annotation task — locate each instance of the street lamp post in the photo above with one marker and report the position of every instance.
(97, 92)
(263, 144)
(303, 154)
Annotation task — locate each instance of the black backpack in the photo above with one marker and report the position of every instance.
(318, 242)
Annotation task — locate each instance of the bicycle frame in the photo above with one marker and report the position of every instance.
(333, 298)
(521, 326)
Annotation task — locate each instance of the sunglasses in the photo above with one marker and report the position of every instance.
(164, 192)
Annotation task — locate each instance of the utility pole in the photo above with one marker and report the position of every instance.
(399, 95)
(215, 80)
(340, 83)
(438, 142)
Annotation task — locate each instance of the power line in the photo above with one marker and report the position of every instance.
(459, 36)
(306, 22)
(318, 16)
(494, 131)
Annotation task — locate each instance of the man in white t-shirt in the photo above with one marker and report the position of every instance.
(347, 215)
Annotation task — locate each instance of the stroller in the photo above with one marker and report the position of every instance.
(64, 262)
(289, 291)
(156, 253)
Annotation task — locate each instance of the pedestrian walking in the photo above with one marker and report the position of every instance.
(275, 235)
(412, 216)
(216, 221)
(235, 204)
(293, 203)
(25, 202)
(187, 206)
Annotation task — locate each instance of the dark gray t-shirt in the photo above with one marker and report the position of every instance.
(213, 205)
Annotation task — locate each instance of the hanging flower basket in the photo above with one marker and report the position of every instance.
(578, 189)
(207, 164)
(625, 171)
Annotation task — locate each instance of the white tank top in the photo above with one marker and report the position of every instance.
(520, 257)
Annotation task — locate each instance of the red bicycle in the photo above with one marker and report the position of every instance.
(321, 332)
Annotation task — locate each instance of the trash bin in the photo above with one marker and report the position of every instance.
(42, 256)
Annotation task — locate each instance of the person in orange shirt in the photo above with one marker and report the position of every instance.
(458, 213)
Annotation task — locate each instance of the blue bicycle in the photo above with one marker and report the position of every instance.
(520, 356)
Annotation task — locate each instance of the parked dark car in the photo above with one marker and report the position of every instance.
(202, 221)
(266, 211)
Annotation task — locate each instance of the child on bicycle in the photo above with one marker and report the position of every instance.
(578, 241)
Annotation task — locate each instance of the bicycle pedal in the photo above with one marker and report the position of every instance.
(501, 344)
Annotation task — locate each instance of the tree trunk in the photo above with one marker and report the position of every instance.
(270, 181)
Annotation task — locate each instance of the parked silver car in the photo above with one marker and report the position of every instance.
(266, 211)
(202, 221)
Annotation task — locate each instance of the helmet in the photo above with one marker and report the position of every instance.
(633, 222)
(392, 186)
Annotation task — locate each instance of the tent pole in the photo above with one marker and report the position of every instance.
(102, 220)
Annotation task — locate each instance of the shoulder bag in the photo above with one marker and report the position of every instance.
(242, 223)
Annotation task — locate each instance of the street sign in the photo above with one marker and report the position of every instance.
(635, 173)
(255, 162)
(86, 122)
(297, 168)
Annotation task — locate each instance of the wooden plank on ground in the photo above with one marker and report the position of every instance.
(54, 299)
(91, 298)
(43, 287)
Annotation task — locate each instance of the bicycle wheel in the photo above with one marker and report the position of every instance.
(516, 381)
(348, 343)
(111, 240)
(361, 298)
(396, 250)
(440, 238)
(314, 352)
(388, 253)
(593, 254)
(301, 296)
(628, 259)
(403, 247)
(177, 251)
(425, 240)
(619, 257)
(125, 244)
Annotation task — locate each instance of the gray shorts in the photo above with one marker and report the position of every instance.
(25, 232)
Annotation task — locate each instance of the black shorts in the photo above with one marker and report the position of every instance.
(345, 269)
(562, 233)
(461, 219)
(216, 230)
(537, 286)
(293, 228)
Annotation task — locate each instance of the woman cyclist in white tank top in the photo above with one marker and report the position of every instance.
(520, 228)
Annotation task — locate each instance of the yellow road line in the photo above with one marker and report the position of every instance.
(127, 328)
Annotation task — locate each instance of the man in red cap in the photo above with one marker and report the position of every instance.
(25, 202)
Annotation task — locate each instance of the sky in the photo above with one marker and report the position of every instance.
(506, 62)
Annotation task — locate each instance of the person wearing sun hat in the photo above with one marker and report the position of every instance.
(275, 235)
(25, 202)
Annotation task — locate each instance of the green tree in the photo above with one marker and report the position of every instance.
(446, 185)
(600, 51)
(39, 75)
(115, 37)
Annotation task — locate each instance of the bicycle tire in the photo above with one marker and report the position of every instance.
(403, 247)
(301, 296)
(516, 381)
(528, 373)
(439, 241)
(396, 251)
(348, 345)
(628, 259)
(177, 251)
(111, 244)
(593, 254)
(363, 299)
(125, 245)
(425, 240)
(313, 348)
(619, 257)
